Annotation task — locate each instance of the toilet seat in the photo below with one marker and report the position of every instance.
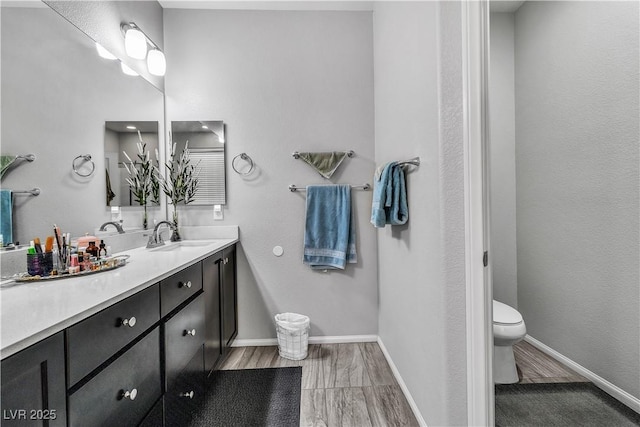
(505, 315)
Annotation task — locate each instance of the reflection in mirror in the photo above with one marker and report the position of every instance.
(120, 138)
(57, 94)
(206, 144)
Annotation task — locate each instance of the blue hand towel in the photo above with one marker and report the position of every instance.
(329, 237)
(389, 205)
(6, 216)
(397, 209)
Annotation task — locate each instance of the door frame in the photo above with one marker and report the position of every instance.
(479, 295)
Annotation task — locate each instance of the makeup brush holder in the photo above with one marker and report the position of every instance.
(40, 264)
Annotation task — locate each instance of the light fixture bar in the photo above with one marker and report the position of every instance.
(132, 25)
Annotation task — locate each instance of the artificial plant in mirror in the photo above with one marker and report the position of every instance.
(131, 163)
(56, 96)
(206, 146)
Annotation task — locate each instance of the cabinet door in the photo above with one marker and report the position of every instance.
(185, 397)
(211, 287)
(33, 385)
(94, 340)
(183, 335)
(124, 392)
(229, 296)
(176, 289)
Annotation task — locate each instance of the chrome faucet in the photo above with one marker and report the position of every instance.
(103, 227)
(156, 240)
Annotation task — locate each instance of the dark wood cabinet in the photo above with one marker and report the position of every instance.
(229, 297)
(33, 385)
(183, 335)
(142, 361)
(124, 392)
(176, 289)
(94, 340)
(185, 395)
(211, 288)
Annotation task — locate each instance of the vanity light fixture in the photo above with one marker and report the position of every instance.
(156, 62)
(104, 53)
(136, 43)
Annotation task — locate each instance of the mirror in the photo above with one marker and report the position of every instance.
(57, 94)
(120, 138)
(206, 141)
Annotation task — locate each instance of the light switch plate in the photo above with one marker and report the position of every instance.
(217, 213)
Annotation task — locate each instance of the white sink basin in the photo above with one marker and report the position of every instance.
(182, 245)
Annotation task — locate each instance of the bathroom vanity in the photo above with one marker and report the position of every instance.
(126, 347)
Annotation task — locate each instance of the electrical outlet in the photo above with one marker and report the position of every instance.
(217, 213)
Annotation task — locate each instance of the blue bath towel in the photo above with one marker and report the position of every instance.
(6, 216)
(389, 205)
(329, 237)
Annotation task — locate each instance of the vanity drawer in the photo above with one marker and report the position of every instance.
(176, 289)
(185, 397)
(183, 335)
(102, 401)
(94, 340)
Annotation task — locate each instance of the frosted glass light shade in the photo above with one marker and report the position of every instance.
(156, 62)
(104, 53)
(127, 70)
(135, 43)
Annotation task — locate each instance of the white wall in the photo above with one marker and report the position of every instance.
(577, 163)
(282, 81)
(503, 159)
(421, 264)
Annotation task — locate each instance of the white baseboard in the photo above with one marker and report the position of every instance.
(403, 386)
(613, 390)
(261, 342)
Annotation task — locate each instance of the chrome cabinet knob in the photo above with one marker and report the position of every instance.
(226, 260)
(130, 394)
(191, 332)
(188, 394)
(185, 285)
(129, 322)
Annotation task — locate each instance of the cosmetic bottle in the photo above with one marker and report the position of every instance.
(92, 249)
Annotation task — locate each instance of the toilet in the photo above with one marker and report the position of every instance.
(508, 329)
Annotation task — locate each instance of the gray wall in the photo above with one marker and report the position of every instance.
(577, 182)
(421, 264)
(503, 159)
(282, 81)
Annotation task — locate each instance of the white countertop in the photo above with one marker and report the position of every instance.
(31, 312)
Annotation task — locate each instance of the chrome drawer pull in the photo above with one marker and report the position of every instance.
(192, 332)
(129, 322)
(188, 394)
(185, 285)
(130, 394)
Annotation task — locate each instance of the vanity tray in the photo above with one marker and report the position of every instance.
(118, 261)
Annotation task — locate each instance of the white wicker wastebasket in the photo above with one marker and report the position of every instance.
(293, 335)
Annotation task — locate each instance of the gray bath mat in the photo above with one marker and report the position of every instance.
(253, 397)
(560, 404)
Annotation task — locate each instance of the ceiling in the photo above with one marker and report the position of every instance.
(505, 6)
(359, 5)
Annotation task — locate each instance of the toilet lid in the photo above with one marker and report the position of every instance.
(504, 314)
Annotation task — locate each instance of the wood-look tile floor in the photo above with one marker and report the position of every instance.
(534, 366)
(342, 384)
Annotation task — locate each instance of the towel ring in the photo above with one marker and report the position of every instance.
(243, 156)
(86, 158)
